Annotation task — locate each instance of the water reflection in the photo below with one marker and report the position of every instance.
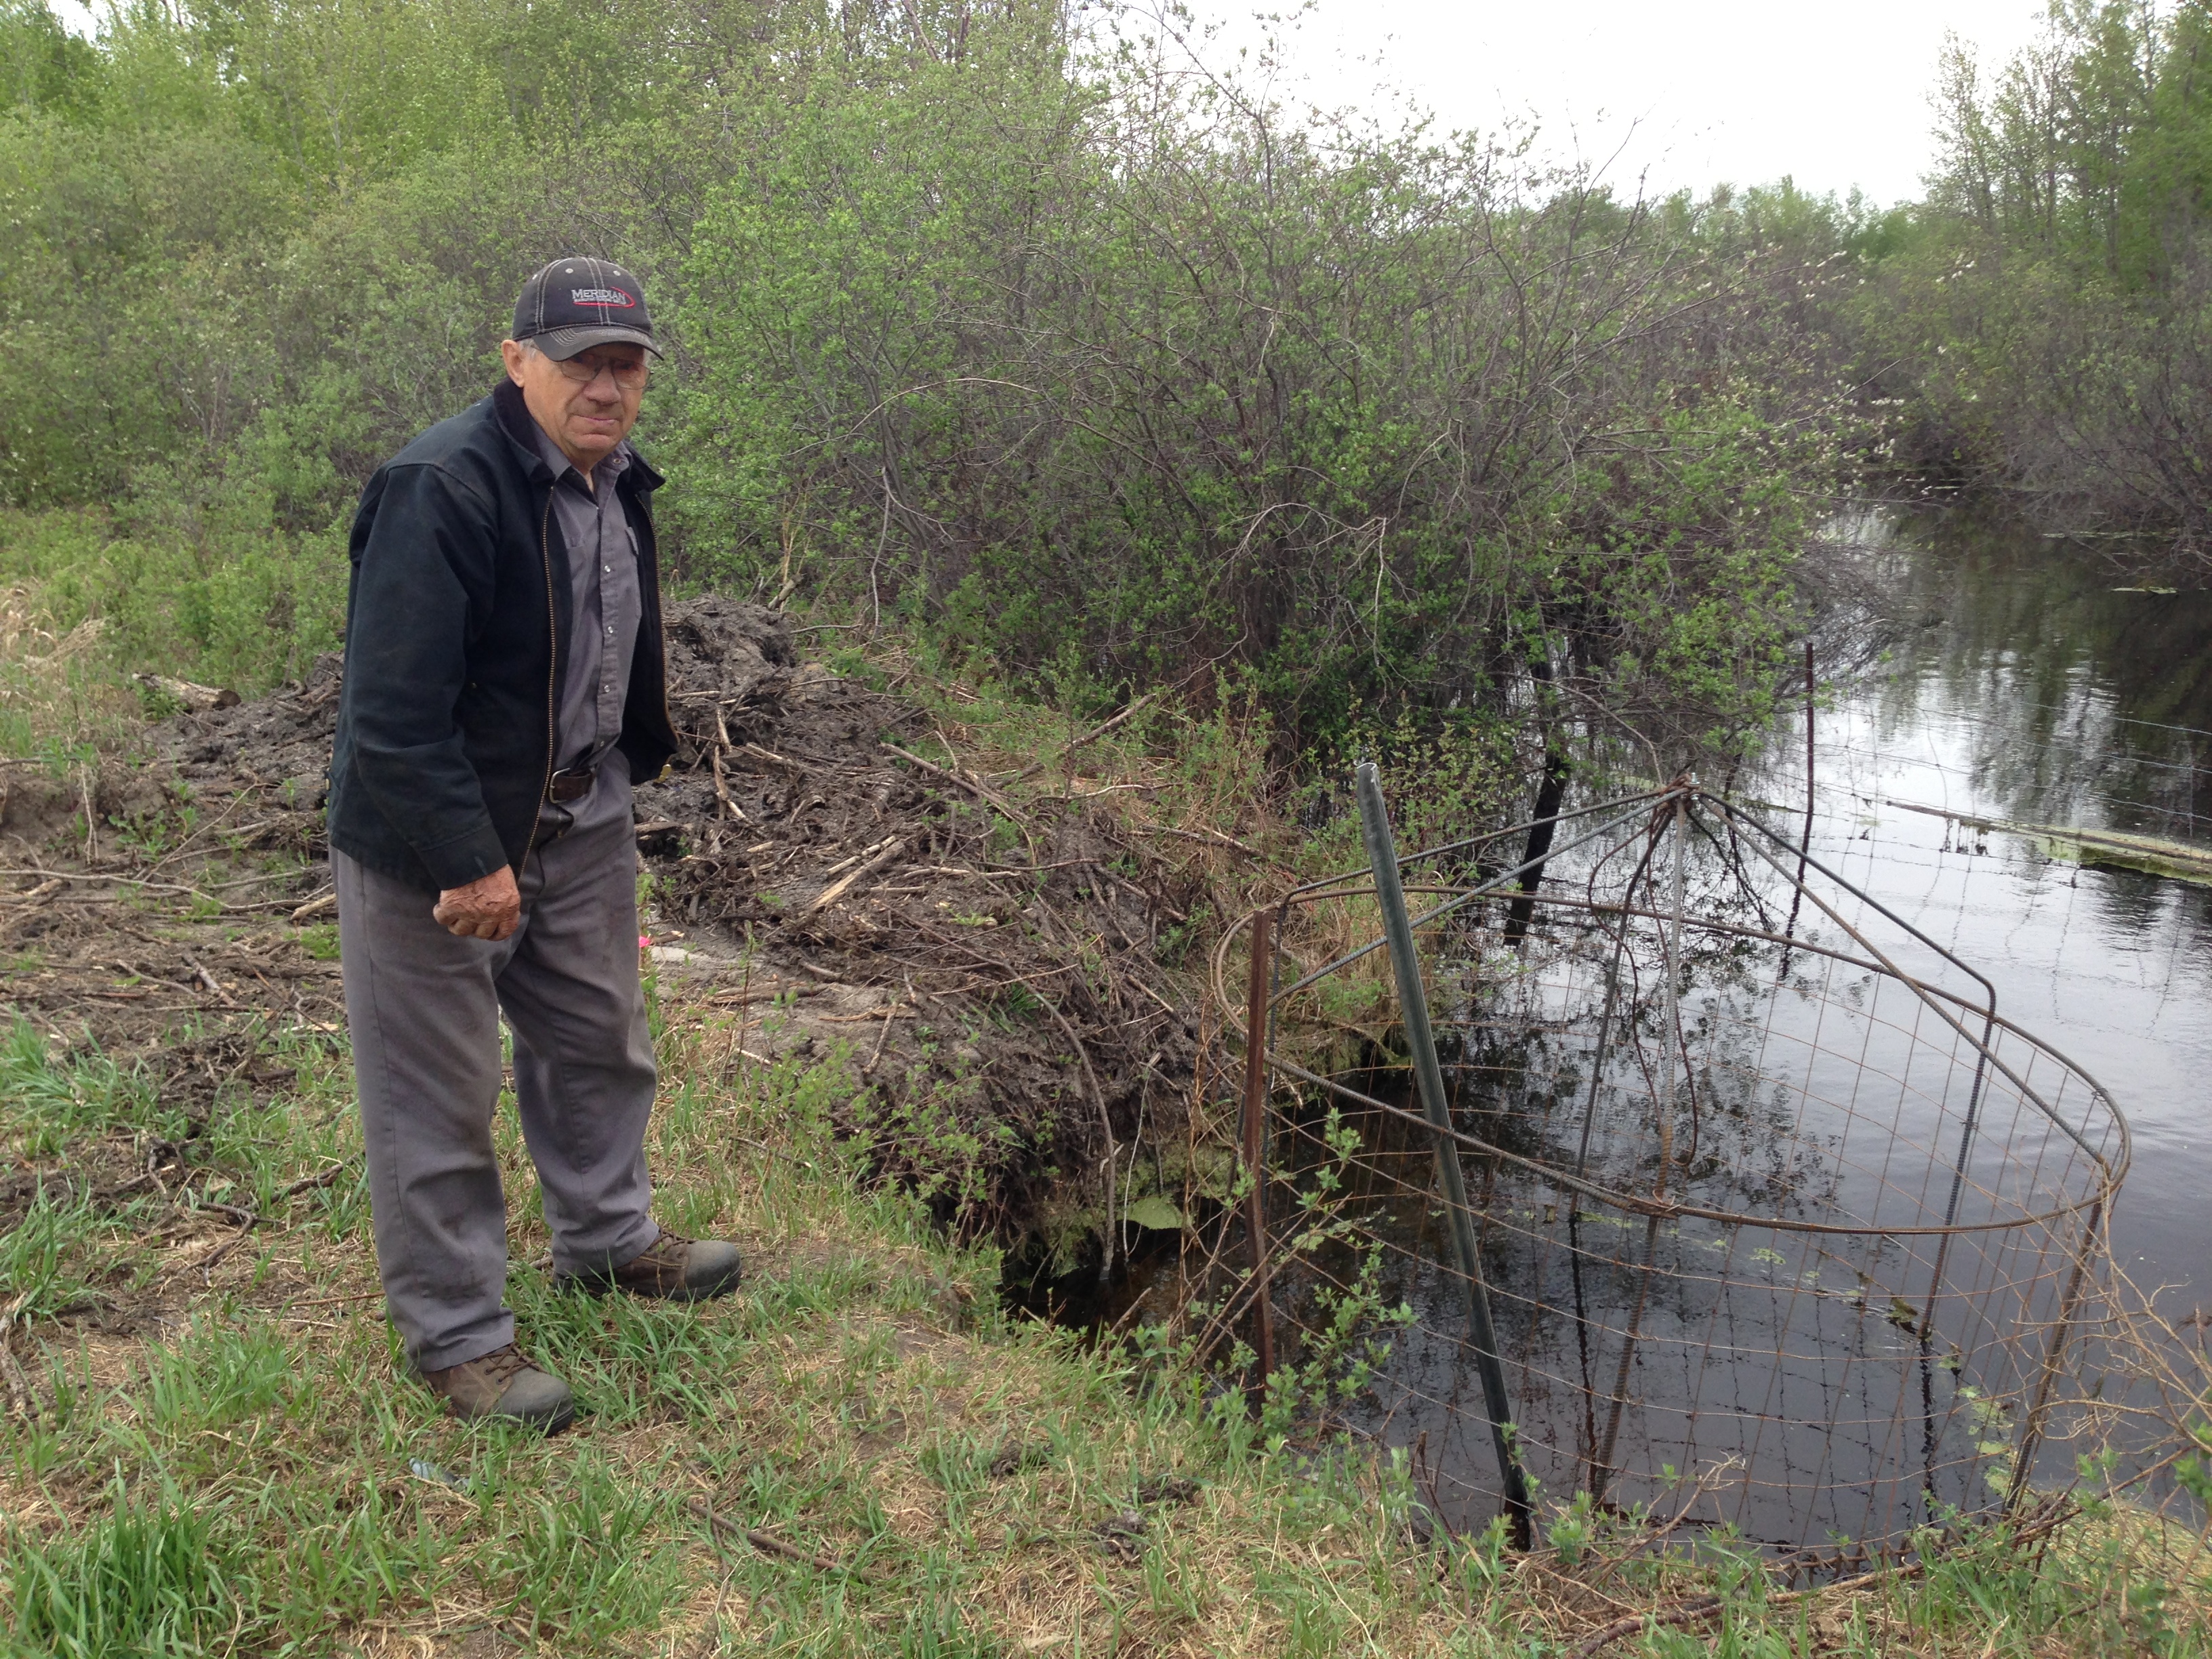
(1755, 1293)
(2018, 685)
(2021, 688)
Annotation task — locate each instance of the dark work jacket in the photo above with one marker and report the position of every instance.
(457, 636)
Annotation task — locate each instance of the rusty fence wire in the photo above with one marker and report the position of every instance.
(1657, 1162)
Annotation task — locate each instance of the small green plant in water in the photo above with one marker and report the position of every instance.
(1989, 1422)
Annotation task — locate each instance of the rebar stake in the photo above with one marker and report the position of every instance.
(1670, 1028)
(1255, 1139)
(1382, 855)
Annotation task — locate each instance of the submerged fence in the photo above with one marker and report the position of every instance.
(1707, 1184)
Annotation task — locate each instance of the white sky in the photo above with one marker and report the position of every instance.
(1690, 94)
(1698, 91)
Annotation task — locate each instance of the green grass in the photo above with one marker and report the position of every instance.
(43, 1256)
(216, 596)
(138, 1581)
(45, 1107)
(243, 1469)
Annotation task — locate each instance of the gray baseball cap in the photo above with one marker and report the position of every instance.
(578, 302)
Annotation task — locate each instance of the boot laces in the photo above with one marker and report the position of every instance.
(503, 1365)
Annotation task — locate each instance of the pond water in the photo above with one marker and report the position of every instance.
(2025, 686)
(2012, 681)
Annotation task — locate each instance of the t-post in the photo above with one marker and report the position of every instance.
(1382, 855)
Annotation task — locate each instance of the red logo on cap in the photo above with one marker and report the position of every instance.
(599, 296)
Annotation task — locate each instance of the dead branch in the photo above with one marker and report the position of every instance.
(766, 1543)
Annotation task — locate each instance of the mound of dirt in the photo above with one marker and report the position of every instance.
(280, 744)
(993, 970)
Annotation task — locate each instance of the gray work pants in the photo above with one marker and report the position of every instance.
(423, 1008)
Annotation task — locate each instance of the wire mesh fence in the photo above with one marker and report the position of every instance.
(1707, 1186)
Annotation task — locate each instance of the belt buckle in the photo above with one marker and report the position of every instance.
(570, 783)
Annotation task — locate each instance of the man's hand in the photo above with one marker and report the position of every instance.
(487, 908)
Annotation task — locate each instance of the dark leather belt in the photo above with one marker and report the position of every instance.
(570, 783)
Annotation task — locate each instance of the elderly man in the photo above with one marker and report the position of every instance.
(503, 686)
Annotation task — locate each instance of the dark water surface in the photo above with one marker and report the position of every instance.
(2025, 688)
(2013, 683)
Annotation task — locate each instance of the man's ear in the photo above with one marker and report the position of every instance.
(511, 352)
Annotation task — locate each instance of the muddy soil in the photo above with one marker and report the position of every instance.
(826, 880)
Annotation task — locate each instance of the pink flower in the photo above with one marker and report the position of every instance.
(644, 941)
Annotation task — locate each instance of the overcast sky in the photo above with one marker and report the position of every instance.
(1698, 91)
(1689, 93)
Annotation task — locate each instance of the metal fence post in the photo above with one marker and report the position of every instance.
(1670, 1026)
(1255, 1135)
(1382, 855)
(2070, 1302)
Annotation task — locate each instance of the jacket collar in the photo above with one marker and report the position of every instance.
(512, 416)
(516, 424)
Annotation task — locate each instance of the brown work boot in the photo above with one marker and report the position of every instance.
(503, 1384)
(673, 1268)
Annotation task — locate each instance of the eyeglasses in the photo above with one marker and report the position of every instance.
(627, 376)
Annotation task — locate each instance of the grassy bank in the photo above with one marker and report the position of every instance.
(209, 1448)
(242, 1472)
(209, 1445)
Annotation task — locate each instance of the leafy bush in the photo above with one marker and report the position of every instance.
(1039, 343)
(1109, 376)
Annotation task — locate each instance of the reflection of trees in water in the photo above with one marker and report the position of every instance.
(2054, 670)
(1781, 1350)
(1521, 1061)
(1751, 1345)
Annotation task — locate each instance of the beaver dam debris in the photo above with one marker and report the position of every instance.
(1001, 964)
(825, 876)
(1776, 1222)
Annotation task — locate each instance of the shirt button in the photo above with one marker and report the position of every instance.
(611, 628)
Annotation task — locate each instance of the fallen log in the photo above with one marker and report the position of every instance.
(2152, 854)
(193, 698)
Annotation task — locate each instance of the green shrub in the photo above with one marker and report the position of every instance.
(1088, 370)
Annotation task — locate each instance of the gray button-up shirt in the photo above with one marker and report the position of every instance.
(606, 605)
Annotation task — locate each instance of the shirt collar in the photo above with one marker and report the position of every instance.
(609, 468)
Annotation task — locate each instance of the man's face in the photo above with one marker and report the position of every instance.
(588, 404)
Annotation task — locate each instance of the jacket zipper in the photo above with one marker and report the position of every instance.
(552, 665)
